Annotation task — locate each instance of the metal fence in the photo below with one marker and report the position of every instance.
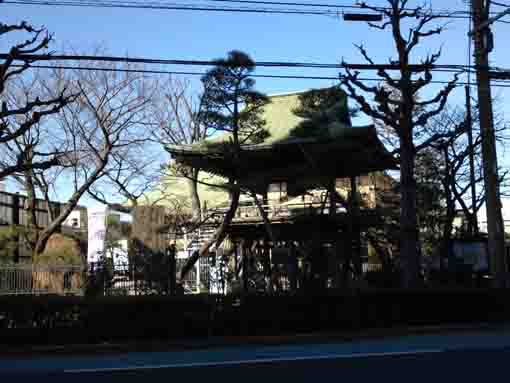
(30, 279)
(147, 281)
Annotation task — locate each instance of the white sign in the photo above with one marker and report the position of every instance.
(97, 231)
(119, 255)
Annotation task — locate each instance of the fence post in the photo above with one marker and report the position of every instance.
(15, 222)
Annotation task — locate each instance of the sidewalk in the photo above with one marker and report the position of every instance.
(240, 341)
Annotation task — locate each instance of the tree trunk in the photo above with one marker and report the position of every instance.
(408, 222)
(445, 241)
(450, 210)
(218, 237)
(30, 210)
(47, 202)
(54, 226)
(196, 208)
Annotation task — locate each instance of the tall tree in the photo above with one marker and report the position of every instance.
(230, 104)
(176, 113)
(451, 168)
(21, 113)
(406, 113)
(92, 134)
(443, 184)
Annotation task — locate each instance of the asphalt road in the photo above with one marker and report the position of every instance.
(459, 358)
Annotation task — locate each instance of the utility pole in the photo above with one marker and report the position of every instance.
(496, 239)
(473, 221)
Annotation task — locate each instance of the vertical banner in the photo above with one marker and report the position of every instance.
(97, 231)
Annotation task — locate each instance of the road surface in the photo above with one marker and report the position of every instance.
(473, 357)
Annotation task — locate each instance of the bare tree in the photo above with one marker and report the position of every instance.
(405, 114)
(133, 171)
(20, 113)
(176, 115)
(94, 134)
(451, 168)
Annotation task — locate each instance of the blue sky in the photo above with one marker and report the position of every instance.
(207, 35)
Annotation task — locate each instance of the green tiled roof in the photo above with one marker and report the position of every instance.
(279, 116)
(281, 123)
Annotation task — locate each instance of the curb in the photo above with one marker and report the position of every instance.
(221, 342)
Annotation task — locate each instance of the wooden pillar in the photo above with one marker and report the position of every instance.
(236, 262)
(318, 263)
(292, 268)
(172, 270)
(355, 223)
(335, 245)
(268, 266)
(332, 197)
(244, 265)
(265, 200)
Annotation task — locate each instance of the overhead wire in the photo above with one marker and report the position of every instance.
(451, 68)
(166, 6)
(189, 73)
(196, 7)
(331, 10)
(438, 68)
(330, 5)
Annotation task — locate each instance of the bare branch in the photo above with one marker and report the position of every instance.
(441, 98)
(365, 106)
(380, 27)
(417, 33)
(58, 104)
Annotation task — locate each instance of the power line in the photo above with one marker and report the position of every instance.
(154, 71)
(294, 4)
(330, 5)
(162, 6)
(501, 84)
(126, 4)
(452, 68)
(182, 7)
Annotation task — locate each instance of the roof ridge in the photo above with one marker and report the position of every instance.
(291, 93)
